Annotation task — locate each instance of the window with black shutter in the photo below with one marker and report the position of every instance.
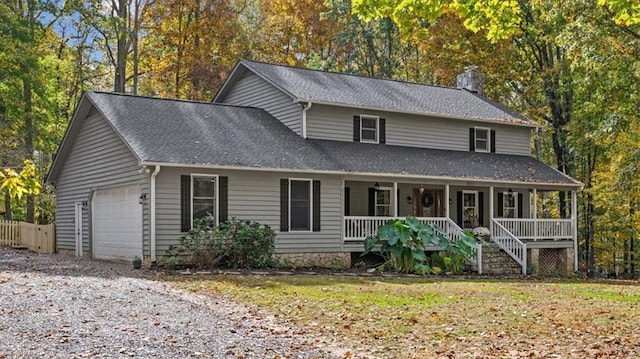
(201, 196)
(299, 205)
(369, 129)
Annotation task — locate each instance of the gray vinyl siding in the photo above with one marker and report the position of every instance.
(253, 195)
(251, 90)
(98, 159)
(336, 123)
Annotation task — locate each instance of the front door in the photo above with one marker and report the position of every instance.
(428, 202)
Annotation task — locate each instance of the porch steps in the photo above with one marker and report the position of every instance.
(496, 261)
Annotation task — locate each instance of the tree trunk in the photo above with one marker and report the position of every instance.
(7, 206)
(122, 45)
(28, 138)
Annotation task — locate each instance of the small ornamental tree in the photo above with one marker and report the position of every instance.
(403, 243)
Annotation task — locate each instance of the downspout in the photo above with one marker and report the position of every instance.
(152, 215)
(304, 118)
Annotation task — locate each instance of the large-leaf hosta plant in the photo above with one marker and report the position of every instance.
(403, 243)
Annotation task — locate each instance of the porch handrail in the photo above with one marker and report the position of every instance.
(538, 228)
(357, 228)
(510, 244)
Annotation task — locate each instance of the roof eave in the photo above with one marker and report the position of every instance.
(539, 185)
(464, 118)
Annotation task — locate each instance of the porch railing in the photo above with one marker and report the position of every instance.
(538, 228)
(359, 228)
(510, 244)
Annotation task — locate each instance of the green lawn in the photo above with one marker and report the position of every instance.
(433, 317)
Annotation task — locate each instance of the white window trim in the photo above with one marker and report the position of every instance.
(475, 139)
(391, 199)
(310, 205)
(377, 140)
(475, 207)
(217, 192)
(515, 203)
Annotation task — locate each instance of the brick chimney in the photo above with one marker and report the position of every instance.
(471, 80)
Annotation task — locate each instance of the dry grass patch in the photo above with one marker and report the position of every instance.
(417, 318)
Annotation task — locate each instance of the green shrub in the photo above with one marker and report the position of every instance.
(234, 244)
(403, 243)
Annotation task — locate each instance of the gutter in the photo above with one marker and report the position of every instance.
(305, 108)
(440, 179)
(152, 215)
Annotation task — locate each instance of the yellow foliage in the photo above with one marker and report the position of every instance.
(20, 183)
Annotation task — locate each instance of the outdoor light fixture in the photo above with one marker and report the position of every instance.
(376, 187)
(409, 200)
(510, 191)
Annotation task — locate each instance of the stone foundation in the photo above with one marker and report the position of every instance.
(495, 261)
(337, 260)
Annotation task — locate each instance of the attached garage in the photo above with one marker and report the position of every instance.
(117, 223)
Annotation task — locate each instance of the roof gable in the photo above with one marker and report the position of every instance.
(305, 85)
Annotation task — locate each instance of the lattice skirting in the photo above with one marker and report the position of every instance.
(552, 261)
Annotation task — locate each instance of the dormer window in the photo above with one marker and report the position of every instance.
(368, 129)
(482, 139)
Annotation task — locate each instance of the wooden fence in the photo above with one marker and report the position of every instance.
(39, 238)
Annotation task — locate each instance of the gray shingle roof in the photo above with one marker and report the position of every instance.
(367, 92)
(182, 132)
(186, 133)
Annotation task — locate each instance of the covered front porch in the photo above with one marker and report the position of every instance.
(509, 211)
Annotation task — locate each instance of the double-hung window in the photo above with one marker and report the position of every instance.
(369, 129)
(383, 202)
(510, 204)
(203, 195)
(482, 139)
(204, 191)
(300, 204)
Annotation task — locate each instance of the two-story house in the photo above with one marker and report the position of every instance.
(323, 158)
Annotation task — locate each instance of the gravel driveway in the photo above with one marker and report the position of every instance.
(60, 306)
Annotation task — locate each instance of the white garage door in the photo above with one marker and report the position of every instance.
(117, 223)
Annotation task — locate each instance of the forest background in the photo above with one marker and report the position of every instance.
(573, 66)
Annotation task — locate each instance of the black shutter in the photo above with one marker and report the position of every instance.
(459, 209)
(383, 131)
(223, 201)
(481, 208)
(316, 206)
(493, 141)
(372, 202)
(185, 203)
(284, 205)
(347, 201)
(356, 128)
(472, 139)
(520, 205)
(500, 205)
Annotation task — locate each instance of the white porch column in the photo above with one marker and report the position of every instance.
(447, 201)
(574, 227)
(534, 214)
(491, 210)
(395, 199)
